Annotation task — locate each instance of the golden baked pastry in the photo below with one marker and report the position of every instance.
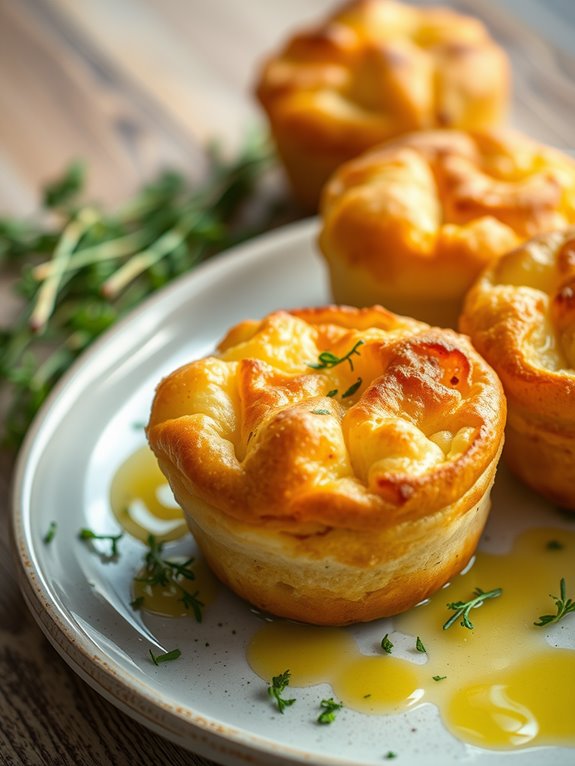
(521, 316)
(334, 464)
(411, 224)
(373, 70)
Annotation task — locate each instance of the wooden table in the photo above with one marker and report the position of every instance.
(132, 86)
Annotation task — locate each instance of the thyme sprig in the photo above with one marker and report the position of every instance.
(163, 572)
(87, 267)
(88, 535)
(277, 687)
(463, 608)
(563, 606)
(327, 360)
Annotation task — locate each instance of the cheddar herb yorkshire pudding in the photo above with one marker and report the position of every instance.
(373, 70)
(334, 464)
(411, 224)
(521, 317)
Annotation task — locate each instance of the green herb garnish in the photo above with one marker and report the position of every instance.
(167, 657)
(277, 687)
(419, 646)
(163, 572)
(330, 708)
(86, 268)
(554, 545)
(439, 678)
(332, 393)
(50, 534)
(352, 389)
(88, 535)
(462, 608)
(326, 359)
(137, 603)
(320, 412)
(563, 606)
(386, 644)
(389, 755)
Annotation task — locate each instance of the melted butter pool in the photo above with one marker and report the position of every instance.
(506, 684)
(142, 501)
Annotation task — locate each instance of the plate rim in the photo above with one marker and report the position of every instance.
(204, 735)
(201, 734)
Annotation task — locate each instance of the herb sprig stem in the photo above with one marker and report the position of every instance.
(87, 267)
(463, 608)
(165, 573)
(563, 606)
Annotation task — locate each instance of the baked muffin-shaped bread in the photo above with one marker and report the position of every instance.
(373, 70)
(334, 464)
(411, 224)
(521, 317)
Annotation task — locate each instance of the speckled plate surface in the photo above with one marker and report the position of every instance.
(209, 700)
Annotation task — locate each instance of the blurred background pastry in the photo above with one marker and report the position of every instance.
(521, 317)
(334, 464)
(410, 224)
(372, 70)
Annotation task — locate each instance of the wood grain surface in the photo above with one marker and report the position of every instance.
(132, 86)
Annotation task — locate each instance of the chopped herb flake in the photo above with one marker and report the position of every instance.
(352, 389)
(330, 708)
(386, 644)
(50, 534)
(276, 689)
(167, 657)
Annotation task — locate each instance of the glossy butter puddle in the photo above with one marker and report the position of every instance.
(502, 684)
(506, 684)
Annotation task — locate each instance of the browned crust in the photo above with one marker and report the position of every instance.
(284, 463)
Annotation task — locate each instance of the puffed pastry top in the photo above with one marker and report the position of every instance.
(375, 69)
(521, 316)
(421, 215)
(332, 416)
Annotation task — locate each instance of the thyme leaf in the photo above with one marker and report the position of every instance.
(166, 657)
(50, 534)
(386, 644)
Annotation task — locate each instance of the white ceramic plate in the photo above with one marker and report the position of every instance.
(209, 701)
